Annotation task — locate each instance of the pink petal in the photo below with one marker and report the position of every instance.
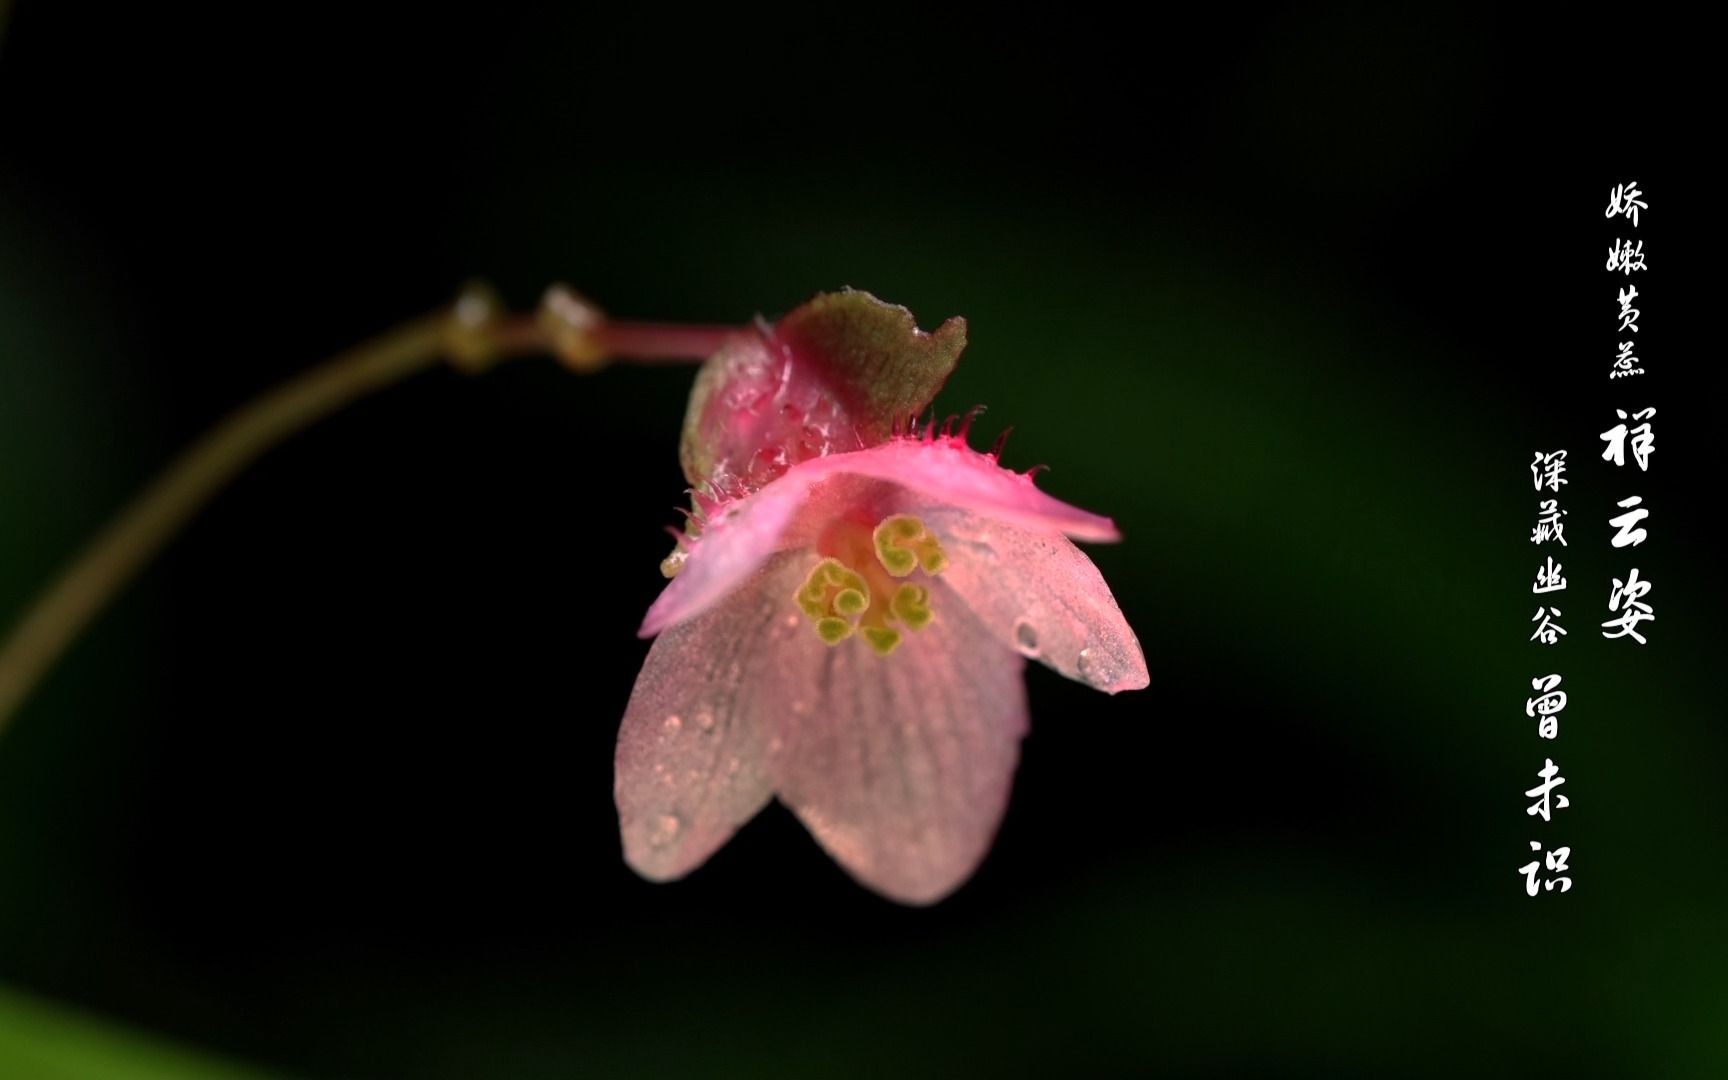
(732, 546)
(1039, 594)
(901, 765)
(943, 471)
(948, 471)
(691, 763)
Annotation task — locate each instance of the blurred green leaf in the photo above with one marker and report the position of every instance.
(47, 1042)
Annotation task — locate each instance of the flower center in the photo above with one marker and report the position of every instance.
(854, 589)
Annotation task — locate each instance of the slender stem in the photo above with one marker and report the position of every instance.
(655, 342)
(471, 335)
(158, 512)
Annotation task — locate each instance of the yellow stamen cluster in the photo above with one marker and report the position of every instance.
(834, 597)
(864, 598)
(911, 605)
(903, 545)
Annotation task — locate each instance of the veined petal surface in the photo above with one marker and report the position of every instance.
(691, 763)
(901, 765)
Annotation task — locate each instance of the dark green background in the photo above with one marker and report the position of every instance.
(1293, 296)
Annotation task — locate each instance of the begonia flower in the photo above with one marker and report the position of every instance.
(850, 609)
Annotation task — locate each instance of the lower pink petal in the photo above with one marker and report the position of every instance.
(691, 763)
(1040, 595)
(901, 765)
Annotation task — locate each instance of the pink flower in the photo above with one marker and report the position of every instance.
(847, 624)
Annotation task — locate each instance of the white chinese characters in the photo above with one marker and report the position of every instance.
(1548, 470)
(1627, 200)
(1627, 598)
(1548, 577)
(1545, 707)
(1555, 861)
(1548, 632)
(1641, 438)
(1548, 869)
(1625, 364)
(1628, 313)
(1626, 535)
(1548, 523)
(1626, 256)
(1547, 799)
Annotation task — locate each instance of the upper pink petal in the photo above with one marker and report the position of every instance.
(691, 763)
(901, 765)
(949, 472)
(942, 472)
(1039, 594)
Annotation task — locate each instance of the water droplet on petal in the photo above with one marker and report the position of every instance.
(674, 722)
(1026, 638)
(705, 721)
(733, 765)
(666, 830)
(1087, 665)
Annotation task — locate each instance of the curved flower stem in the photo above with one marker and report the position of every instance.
(472, 334)
(657, 343)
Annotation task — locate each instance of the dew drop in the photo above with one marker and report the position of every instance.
(1026, 638)
(674, 722)
(705, 721)
(666, 830)
(1087, 664)
(733, 765)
